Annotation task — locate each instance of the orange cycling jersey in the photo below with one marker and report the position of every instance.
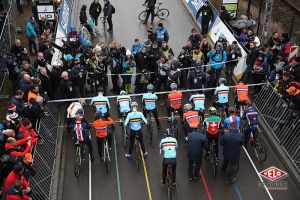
(192, 118)
(101, 127)
(175, 99)
(242, 92)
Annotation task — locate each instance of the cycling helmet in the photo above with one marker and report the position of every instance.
(231, 109)
(123, 92)
(134, 104)
(212, 111)
(173, 86)
(150, 87)
(187, 107)
(222, 80)
(82, 101)
(167, 132)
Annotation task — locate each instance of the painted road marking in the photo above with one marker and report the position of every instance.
(205, 185)
(237, 191)
(146, 175)
(268, 192)
(90, 175)
(117, 169)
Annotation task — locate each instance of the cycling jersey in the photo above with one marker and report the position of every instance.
(101, 103)
(232, 118)
(135, 119)
(242, 92)
(198, 100)
(73, 108)
(222, 91)
(149, 100)
(252, 116)
(80, 130)
(124, 103)
(100, 127)
(169, 146)
(212, 124)
(175, 99)
(192, 118)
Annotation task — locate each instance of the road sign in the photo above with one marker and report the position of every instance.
(293, 53)
(273, 173)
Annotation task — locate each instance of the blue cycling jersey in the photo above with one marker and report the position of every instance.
(149, 100)
(232, 118)
(169, 146)
(222, 91)
(123, 102)
(135, 119)
(252, 116)
(198, 100)
(101, 103)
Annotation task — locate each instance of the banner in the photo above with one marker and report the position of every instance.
(217, 28)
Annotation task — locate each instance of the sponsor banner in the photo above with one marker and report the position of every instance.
(231, 6)
(273, 179)
(217, 28)
(48, 16)
(45, 8)
(230, 1)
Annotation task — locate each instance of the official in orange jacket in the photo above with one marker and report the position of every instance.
(241, 92)
(101, 125)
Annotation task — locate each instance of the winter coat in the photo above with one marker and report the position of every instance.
(197, 142)
(12, 178)
(30, 29)
(16, 150)
(196, 80)
(95, 9)
(24, 133)
(232, 142)
(218, 58)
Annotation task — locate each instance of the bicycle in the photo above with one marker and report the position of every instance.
(259, 146)
(149, 128)
(161, 13)
(169, 181)
(136, 154)
(106, 155)
(212, 157)
(222, 111)
(242, 107)
(79, 157)
(174, 124)
(124, 130)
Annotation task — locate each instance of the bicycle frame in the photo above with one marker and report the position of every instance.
(106, 154)
(125, 136)
(174, 125)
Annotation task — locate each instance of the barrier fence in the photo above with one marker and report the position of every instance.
(44, 154)
(282, 121)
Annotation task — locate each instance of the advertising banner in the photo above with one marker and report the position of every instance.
(231, 6)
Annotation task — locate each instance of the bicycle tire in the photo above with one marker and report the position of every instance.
(124, 136)
(106, 158)
(213, 159)
(142, 16)
(150, 133)
(163, 13)
(260, 149)
(137, 159)
(77, 162)
(169, 190)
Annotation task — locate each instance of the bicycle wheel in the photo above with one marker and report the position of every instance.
(124, 133)
(137, 158)
(213, 159)
(260, 149)
(106, 157)
(149, 132)
(163, 13)
(142, 16)
(77, 162)
(169, 185)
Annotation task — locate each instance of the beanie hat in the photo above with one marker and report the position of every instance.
(11, 106)
(18, 168)
(12, 116)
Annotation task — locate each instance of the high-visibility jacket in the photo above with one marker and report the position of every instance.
(192, 118)
(32, 95)
(175, 99)
(101, 127)
(242, 92)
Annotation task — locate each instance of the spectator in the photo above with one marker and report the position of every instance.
(285, 45)
(78, 78)
(232, 142)
(283, 85)
(39, 61)
(25, 84)
(295, 99)
(207, 16)
(295, 69)
(29, 171)
(161, 34)
(197, 78)
(95, 11)
(225, 15)
(250, 60)
(197, 142)
(15, 175)
(26, 131)
(195, 38)
(218, 57)
(108, 11)
(233, 54)
(18, 101)
(55, 78)
(65, 86)
(17, 48)
(205, 48)
(46, 83)
(151, 36)
(274, 41)
(84, 21)
(31, 33)
(19, 7)
(13, 147)
(15, 192)
(33, 93)
(28, 69)
(12, 122)
(36, 110)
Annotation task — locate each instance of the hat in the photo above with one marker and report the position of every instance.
(291, 89)
(219, 44)
(68, 57)
(18, 167)
(128, 52)
(12, 116)
(11, 106)
(28, 157)
(76, 61)
(36, 81)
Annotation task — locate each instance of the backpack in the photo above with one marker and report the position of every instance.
(113, 10)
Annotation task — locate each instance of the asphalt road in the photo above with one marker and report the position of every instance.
(132, 183)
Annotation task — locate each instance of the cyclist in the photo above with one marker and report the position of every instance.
(169, 146)
(80, 130)
(222, 92)
(198, 102)
(73, 109)
(136, 119)
(232, 118)
(123, 103)
(241, 91)
(100, 125)
(212, 124)
(175, 100)
(191, 120)
(149, 100)
(251, 115)
(101, 103)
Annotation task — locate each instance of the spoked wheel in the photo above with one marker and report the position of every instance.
(150, 133)
(260, 149)
(142, 16)
(169, 185)
(107, 159)
(163, 13)
(76, 168)
(107, 163)
(213, 159)
(138, 158)
(124, 133)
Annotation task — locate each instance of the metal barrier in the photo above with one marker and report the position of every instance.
(283, 122)
(44, 154)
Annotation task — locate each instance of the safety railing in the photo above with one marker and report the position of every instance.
(282, 121)
(44, 154)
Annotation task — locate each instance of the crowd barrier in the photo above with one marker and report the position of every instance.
(218, 28)
(282, 121)
(44, 154)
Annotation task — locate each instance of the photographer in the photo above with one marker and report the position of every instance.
(233, 53)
